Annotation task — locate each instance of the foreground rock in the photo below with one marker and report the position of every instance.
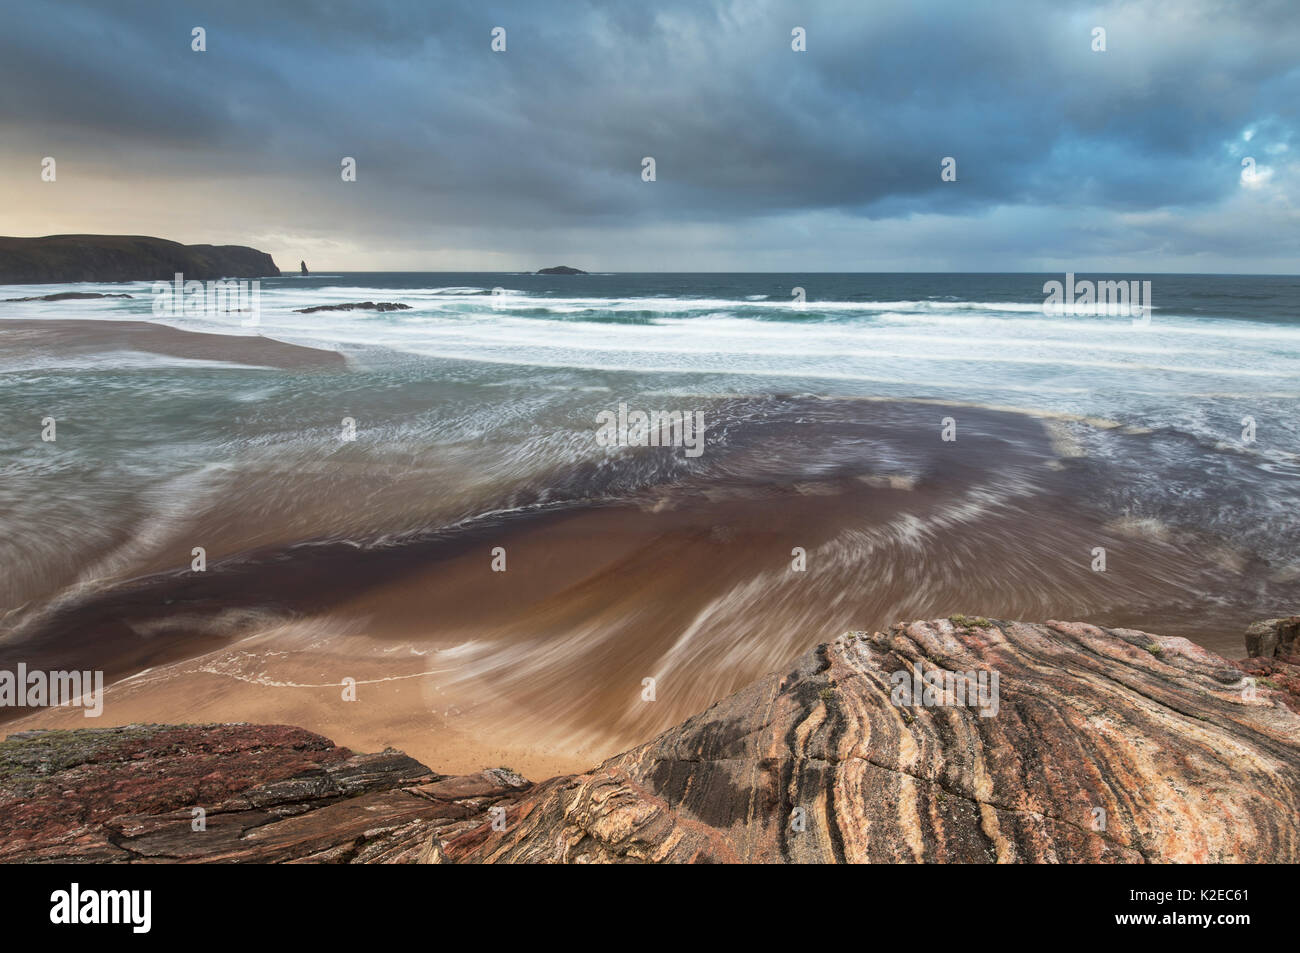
(1092, 745)
(1274, 649)
(59, 258)
(1106, 745)
(1274, 638)
(356, 306)
(268, 793)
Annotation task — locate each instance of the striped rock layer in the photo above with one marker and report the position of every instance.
(1100, 745)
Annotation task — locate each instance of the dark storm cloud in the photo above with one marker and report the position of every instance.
(550, 135)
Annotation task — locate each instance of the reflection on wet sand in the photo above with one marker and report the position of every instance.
(700, 583)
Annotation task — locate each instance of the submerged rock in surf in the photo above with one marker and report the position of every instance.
(356, 306)
(68, 296)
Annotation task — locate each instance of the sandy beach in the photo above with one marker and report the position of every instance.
(37, 339)
(701, 582)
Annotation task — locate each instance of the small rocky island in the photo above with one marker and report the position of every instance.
(562, 270)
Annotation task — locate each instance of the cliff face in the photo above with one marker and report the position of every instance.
(62, 258)
(1092, 745)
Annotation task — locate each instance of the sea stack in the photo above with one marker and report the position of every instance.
(304, 267)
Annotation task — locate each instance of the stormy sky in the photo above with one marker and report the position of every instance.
(766, 159)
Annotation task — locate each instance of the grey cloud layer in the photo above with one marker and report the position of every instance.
(548, 137)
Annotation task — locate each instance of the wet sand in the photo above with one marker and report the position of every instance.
(43, 338)
(543, 667)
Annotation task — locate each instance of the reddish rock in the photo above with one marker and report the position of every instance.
(1275, 656)
(1106, 745)
(269, 793)
(1095, 745)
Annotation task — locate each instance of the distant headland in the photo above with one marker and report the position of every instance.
(60, 258)
(561, 270)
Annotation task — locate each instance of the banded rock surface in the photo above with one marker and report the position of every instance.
(1097, 745)
(1107, 745)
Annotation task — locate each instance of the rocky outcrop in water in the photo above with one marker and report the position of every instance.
(356, 306)
(561, 270)
(958, 740)
(67, 296)
(60, 258)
